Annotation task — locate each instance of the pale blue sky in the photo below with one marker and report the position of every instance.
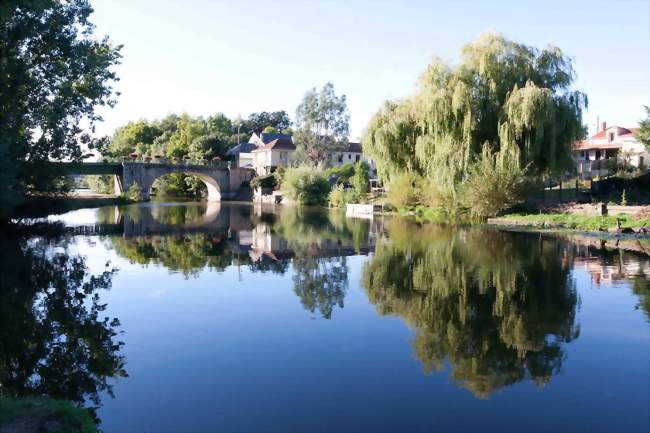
(237, 57)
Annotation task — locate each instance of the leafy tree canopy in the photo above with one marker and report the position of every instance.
(323, 120)
(53, 75)
(257, 122)
(512, 99)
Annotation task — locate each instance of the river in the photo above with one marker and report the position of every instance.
(204, 317)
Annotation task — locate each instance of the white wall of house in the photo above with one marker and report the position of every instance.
(339, 159)
(246, 160)
(272, 158)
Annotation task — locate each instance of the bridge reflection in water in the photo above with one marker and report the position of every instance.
(261, 232)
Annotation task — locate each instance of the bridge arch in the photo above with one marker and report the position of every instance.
(221, 182)
(212, 184)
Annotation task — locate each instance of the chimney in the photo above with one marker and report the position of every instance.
(603, 126)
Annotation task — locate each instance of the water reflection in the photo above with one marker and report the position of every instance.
(497, 306)
(54, 337)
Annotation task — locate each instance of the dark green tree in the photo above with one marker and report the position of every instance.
(256, 122)
(53, 75)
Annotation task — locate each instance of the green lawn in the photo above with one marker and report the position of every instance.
(576, 222)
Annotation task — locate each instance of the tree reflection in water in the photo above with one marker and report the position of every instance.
(54, 339)
(495, 305)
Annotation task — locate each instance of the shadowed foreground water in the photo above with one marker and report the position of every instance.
(215, 317)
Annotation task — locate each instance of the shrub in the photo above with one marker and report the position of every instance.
(341, 174)
(340, 196)
(360, 181)
(266, 181)
(134, 192)
(492, 186)
(306, 185)
(405, 190)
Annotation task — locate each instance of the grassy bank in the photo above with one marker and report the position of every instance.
(572, 221)
(43, 415)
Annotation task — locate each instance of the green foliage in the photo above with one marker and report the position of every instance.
(339, 196)
(510, 98)
(56, 338)
(575, 221)
(354, 174)
(341, 174)
(323, 125)
(127, 138)
(179, 185)
(644, 129)
(492, 186)
(54, 72)
(103, 184)
(183, 137)
(266, 181)
(134, 193)
(44, 415)
(306, 185)
(492, 307)
(405, 190)
(270, 130)
(360, 182)
(256, 122)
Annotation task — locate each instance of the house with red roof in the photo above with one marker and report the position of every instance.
(609, 147)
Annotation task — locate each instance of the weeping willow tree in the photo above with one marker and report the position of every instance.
(494, 306)
(504, 99)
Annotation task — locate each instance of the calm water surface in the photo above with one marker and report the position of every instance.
(208, 317)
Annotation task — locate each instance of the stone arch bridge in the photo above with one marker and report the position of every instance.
(222, 181)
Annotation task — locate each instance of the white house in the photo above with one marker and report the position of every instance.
(278, 152)
(609, 146)
(275, 150)
(352, 153)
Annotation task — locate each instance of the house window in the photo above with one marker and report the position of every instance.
(349, 156)
(283, 156)
(357, 158)
(582, 154)
(598, 154)
(611, 136)
(340, 157)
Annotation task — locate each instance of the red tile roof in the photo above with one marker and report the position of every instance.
(587, 144)
(602, 135)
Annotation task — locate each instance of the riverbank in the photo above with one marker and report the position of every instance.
(43, 415)
(571, 221)
(39, 206)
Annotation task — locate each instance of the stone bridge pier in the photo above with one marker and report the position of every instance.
(222, 182)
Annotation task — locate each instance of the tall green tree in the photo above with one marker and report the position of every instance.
(512, 99)
(53, 74)
(256, 122)
(127, 138)
(323, 121)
